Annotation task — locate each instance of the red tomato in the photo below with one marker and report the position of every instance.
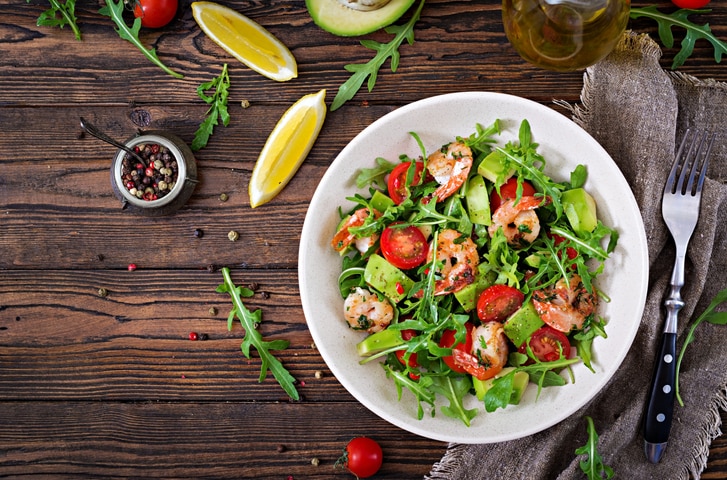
(498, 302)
(155, 13)
(508, 190)
(690, 3)
(547, 344)
(557, 240)
(408, 335)
(470, 364)
(404, 247)
(447, 341)
(362, 456)
(397, 180)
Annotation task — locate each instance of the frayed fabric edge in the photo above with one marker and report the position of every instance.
(443, 469)
(680, 78)
(711, 429)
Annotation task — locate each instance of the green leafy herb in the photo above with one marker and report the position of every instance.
(693, 32)
(593, 467)
(115, 11)
(709, 316)
(60, 14)
(455, 390)
(383, 52)
(249, 321)
(218, 108)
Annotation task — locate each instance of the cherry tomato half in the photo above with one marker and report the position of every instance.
(557, 240)
(408, 335)
(397, 183)
(448, 340)
(690, 3)
(404, 247)
(508, 190)
(362, 457)
(498, 302)
(548, 344)
(155, 13)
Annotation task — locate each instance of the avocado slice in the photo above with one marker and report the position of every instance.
(580, 208)
(478, 201)
(519, 383)
(387, 279)
(494, 168)
(335, 17)
(523, 323)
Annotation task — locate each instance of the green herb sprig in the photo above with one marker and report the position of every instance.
(593, 466)
(249, 321)
(384, 51)
(59, 15)
(667, 21)
(115, 11)
(709, 316)
(218, 107)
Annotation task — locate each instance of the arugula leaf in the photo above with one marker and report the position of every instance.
(116, 11)
(710, 316)
(59, 15)
(376, 175)
(455, 389)
(593, 467)
(383, 51)
(693, 32)
(218, 100)
(249, 321)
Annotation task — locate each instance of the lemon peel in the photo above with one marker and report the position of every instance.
(246, 40)
(287, 147)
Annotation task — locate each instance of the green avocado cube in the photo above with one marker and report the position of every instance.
(387, 279)
(523, 323)
(580, 209)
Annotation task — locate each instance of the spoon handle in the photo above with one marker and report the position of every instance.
(92, 130)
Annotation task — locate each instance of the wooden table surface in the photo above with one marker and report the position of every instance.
(112, 387)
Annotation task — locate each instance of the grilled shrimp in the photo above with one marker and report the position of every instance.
(460, 259)
(566, 304)
(450, 168)
(519, 222)
(489, 345)
(344, 238)
(364, 310)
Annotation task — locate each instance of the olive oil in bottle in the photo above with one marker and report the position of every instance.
(564, 35)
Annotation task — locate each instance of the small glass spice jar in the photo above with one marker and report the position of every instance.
(160, 185)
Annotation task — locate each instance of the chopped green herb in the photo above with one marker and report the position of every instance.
(249, 321)
(218, 107)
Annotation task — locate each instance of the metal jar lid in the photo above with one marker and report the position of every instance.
(186, 175)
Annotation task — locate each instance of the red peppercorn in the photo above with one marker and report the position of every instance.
(155, 148)
(193, 336)
(139, 166)
(149, 172)
(130, 185)
(132, 267)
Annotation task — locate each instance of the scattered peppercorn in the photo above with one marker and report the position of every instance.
(203, 336)
(100, 257)
(265, 295)
(213, 311)
(102, 292)
(233, 236)
(281, 448)
(131, 267)
(254, 286)
(193, 336)
(155, 177)
(198, 232)
(315, 462)
(245, 103)
(223, 197)
(319, 374)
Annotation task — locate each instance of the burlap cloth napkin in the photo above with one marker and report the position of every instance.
(639, 112)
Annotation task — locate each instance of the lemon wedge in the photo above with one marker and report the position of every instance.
(245, 40)
(286, 147)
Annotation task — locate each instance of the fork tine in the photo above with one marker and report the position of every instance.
(687, 164)
(704, 164)
(677, 167)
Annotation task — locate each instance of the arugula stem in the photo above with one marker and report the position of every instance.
(115, 12)
(68, 15)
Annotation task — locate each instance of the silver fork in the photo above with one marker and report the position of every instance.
(680, 209)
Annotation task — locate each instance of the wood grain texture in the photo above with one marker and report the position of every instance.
(110, 386)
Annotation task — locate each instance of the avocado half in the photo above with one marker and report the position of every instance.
(335, 17)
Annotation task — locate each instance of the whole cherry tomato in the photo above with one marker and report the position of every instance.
(155, 13)
(690, 3)
(362, 457)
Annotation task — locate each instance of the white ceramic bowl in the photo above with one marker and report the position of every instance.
(438, 120)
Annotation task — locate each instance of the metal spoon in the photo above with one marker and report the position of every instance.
(91, 129)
